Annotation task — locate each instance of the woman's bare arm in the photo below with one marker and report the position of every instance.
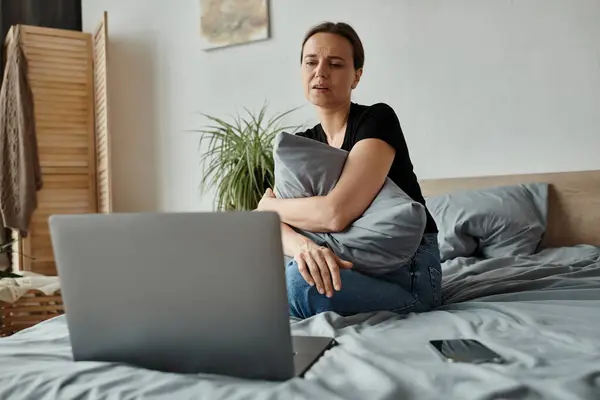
(293, 242)
(318, 265)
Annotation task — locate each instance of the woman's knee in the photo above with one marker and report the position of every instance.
(304, 300)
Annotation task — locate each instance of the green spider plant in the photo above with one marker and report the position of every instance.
(238, 162)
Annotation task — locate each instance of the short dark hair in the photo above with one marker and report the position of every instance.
(344, 30)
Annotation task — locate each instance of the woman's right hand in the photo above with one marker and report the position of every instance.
(320, 266)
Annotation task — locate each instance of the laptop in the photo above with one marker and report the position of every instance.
(180, 292)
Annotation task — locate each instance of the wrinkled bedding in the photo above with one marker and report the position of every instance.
(541, 312)
(571, 273)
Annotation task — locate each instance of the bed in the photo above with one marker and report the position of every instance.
(541, 311)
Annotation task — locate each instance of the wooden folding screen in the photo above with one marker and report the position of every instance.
(67, 75)
(101, 130)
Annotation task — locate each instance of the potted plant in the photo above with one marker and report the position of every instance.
(238, 162)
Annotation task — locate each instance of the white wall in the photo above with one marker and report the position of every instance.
(480, 86)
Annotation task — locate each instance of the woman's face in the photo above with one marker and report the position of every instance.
(328, 73)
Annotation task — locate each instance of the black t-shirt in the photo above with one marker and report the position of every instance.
(379, 121)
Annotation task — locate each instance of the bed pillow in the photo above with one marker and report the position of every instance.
(491, 222)
(387, 234)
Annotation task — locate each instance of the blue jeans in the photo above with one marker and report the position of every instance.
(413, 287)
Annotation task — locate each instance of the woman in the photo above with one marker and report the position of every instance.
(332, 60)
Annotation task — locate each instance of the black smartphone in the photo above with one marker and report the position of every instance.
(466, 351)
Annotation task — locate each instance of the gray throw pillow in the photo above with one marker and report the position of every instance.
(491, 222)
(382, 239)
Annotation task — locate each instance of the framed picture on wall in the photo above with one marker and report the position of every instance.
(225, 23)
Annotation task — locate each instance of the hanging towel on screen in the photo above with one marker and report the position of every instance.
(20, 175)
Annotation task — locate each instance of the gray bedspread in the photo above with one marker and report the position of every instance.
(540, 312)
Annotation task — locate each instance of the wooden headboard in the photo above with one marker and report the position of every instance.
(574, 202)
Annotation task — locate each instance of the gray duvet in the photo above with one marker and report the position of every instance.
(541, 312)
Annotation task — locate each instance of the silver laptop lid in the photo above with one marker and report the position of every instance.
(180, 292)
